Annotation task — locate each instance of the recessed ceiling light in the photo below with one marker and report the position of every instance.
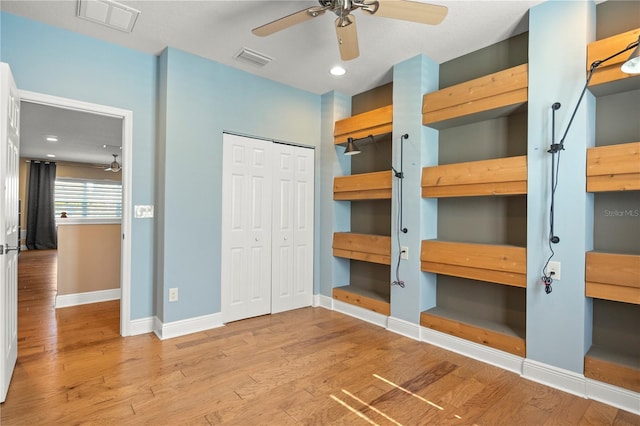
(338, 70)
(52, 139)
(51, 156)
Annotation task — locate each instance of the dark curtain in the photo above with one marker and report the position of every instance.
(41, 222)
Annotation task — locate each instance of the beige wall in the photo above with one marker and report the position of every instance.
(88, 258)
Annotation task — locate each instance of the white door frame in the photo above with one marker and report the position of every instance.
(127, 164)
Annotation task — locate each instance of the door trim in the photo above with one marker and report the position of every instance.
(127, 165)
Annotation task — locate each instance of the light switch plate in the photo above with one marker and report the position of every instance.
(142, 212)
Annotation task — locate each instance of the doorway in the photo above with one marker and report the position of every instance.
(124, 160)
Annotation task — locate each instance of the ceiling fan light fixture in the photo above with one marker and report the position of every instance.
(114, 166)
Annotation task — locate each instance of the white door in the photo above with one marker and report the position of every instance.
(292, 253)
(246, 228)
(9, 157)
(303, 228)
(283, 228)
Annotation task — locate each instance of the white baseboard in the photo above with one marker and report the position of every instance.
(144, 325)
(360, 313)
(617, 397)
(65, 300)
(405, 328)
(488, 355)
(324, 302)
(559, 378)
(188, 326)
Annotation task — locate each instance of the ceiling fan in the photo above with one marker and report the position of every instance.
(346, 23)
(114, 166)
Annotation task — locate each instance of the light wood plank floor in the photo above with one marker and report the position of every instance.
(309, 366)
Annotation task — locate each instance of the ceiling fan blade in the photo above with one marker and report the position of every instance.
(422, 13)
(288, 21)
(347, 38)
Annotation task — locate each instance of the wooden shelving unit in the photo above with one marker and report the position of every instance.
(484, 98)
(501, 176)
(608, 78)
(487, 333)
(613, 279)
(369, 248)
(363, 298)
(614, 168)
(614, 368)
(363, 186)
(499, 264)
(376, 122)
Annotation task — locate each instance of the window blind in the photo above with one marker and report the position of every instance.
(91, 199)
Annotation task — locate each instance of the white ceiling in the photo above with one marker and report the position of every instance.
(82, 137)
(302, 55)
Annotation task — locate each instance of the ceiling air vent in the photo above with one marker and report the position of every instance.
(252, 57)
(108, 13)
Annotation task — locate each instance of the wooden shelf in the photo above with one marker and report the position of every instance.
(501, 176)
(481, 99)
(614, 168)
(369, 248)
(609, 78)
(487, 333)
(363, 298)
(613, 277)
(614, 368)
(501, 264)
(364, 186)
(376, 122)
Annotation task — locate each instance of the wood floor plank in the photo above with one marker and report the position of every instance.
(309, 366)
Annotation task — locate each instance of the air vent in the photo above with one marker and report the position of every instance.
(252, 57)
(108, 13)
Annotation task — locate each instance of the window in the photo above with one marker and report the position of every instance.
(88, 199)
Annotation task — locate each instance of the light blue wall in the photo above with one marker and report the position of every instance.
(335, 216)
(199, 100)
(559, 324)
(56, 62)
(203, 100)
(411, 79)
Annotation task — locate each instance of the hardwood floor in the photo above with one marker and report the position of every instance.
(309, 366)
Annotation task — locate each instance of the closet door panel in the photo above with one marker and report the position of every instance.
(246, 228)
(303, 228)
(282, 231)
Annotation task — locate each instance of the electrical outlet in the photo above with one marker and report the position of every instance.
(553, 270)
(404, 252)
(173, 294)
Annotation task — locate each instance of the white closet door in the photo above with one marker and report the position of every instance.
(283, 228)
(303, 228)
(246, 228)
(292, 273)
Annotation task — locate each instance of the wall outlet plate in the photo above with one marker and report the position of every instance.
(404, 252)
(173, 294)
(553, 270)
